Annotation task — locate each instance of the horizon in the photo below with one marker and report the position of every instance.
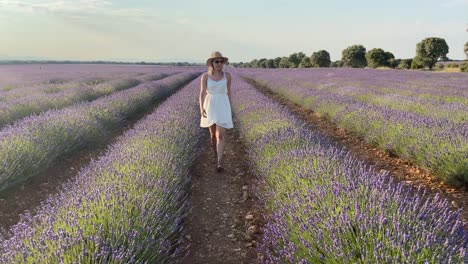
(156, 31)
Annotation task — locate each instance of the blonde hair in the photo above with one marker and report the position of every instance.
(211, 68)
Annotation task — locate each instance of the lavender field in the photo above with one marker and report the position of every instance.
(118, 221)
(14, 77)
(328, 207)
(321, 203)
(125, 207)
(27, 146)
(421, 116)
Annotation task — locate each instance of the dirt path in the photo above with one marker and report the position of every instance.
(219, 228)
(402, 170)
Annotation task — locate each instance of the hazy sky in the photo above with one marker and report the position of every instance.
(182, 30)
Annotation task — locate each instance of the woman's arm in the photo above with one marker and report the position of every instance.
(202, 93)
(228, 76)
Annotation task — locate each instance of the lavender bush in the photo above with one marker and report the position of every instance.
(28, 146)
(329, 207)
(126, 206)
(415, 115)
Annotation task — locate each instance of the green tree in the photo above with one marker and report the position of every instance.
(464, 67)
(320, 58)
(284, 63)
(390, 60)
(254, 63)
(295, 59)
(277, 62)
(429, 50)
(405, 64)
(354, 56)
(417, 63)
(337, 63)
(466, 50)
(380, 58)
(262, 63)
(271, 63)
(393, 63)
(376, 58)
(301, 56)
(305, 63)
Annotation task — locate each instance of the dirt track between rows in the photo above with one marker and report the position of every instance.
(219, 228)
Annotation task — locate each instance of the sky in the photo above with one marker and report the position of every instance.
(183, 30)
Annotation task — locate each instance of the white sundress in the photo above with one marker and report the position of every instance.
(216, 104)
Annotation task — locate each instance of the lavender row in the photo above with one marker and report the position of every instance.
(328, 207)
(28, 146)
(18, 77)
(34, 100)
(126, 206)
(13, 110)
(58, 85)
(417, 116)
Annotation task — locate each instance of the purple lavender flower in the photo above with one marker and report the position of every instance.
(328, 207)
(126, 206)
(417, 115)
(29, 145)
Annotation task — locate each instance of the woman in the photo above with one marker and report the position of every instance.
(215, 104)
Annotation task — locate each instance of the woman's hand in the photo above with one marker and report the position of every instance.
(203, 113)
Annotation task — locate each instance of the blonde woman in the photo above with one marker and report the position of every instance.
(215, 104)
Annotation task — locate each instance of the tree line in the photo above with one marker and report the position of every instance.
(428, 52)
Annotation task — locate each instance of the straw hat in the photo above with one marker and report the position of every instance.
(215, 55)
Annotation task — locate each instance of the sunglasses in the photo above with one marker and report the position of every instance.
(218, 61)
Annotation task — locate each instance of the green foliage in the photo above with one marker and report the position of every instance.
(389, 55)
(417, 63)
(378, 58)
(305, 63)
(464, 67)
(301, 55)
(405, 64)
(285, 63)
(262, 63)
(354, 56)
(393, 63)
(277, 62)
(452, 65)
(270, 63)
(246, 65)
(466, 49)
(320, 58)
(337, 63)
(295, 59)
(429, 50)
(254, 63)
(444, 58)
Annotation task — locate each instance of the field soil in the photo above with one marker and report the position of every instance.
(224, 224)
(402, 170)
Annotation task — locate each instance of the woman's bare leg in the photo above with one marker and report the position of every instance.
(213, 138)
(220, 132)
